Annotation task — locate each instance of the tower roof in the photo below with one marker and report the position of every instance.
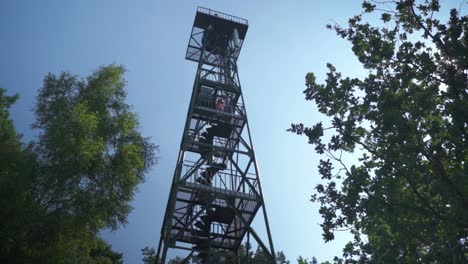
(221, 22)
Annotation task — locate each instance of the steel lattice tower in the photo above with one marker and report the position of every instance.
(216, 190)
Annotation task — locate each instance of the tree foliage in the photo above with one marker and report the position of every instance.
(245, 255)
(89, 148)
(408, 193)
(302, 260)
(77, 177)
(149, 255)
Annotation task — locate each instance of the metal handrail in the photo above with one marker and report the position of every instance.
(222, 15)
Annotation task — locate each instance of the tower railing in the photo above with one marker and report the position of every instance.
(222, 15)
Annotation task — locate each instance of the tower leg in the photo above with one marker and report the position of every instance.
(159, 249)
(247, 251)
(164, 255)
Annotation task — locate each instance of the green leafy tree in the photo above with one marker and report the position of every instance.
(176, 260)
(15, 172)
(90, 153)
(260, 256)
(103, 253)
(314, 260)
(408, 193)
(281, 258)
(222, 257)
(149, 255)
(77, 178)
(301, 260)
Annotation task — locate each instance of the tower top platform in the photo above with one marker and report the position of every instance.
(221, 24)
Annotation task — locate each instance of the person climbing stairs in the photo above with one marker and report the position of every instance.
(215, 213)
(207, 175)
(222, 130)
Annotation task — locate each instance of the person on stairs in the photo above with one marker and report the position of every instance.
(207, 175)
(219, 104)
(221, 130)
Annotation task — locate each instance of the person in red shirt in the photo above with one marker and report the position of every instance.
(219, 105)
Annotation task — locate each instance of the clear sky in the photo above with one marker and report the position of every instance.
(286, 39)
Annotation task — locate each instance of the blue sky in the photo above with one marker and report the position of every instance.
(286, 39)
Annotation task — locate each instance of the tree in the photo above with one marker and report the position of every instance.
(281, 258)
(314, 260)
(149, 255)
(222, 256)
(103, 253)
(260, 256)
(408, 193)
(89, 149)
(302, 260)
(77, 177)
(15, 171)
(176, 260)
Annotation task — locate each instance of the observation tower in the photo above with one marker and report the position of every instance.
(216, 190)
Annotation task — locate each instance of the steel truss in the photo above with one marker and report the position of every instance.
(216, 190)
